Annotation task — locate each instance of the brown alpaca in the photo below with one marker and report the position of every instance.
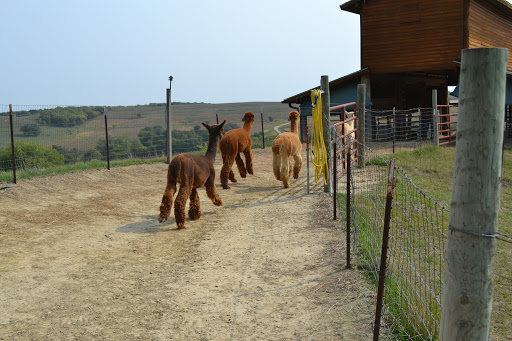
(192, 172)
(233, 143)
(285, 147)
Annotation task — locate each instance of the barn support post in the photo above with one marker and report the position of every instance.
(473, 223)
(326, 122)
(13, 155)
(106, 143)
(435, 126)
(168, 121)
(361, 135)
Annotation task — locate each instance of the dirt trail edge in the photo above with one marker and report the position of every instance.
(83, 257)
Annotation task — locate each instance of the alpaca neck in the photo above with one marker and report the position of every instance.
(247, 127)
(294, 127)
(213, 144)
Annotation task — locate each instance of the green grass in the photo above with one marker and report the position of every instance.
(431, 169)
(81, 166)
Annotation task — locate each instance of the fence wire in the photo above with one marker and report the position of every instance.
(415, 264)
(51, 135)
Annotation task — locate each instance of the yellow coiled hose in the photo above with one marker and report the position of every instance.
(318, 151)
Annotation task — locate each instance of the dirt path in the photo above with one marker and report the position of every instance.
(82, 257)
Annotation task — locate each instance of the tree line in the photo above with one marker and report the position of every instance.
(150, 141)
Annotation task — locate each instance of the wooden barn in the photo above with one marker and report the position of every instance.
(410, 47)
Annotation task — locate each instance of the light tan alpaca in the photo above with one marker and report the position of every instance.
(347, 127)
(285, 147)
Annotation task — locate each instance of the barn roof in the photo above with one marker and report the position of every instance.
(355, 6)
(332, 85)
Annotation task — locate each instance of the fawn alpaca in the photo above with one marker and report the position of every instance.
(233, 143)
(285, 147)
(191, 172)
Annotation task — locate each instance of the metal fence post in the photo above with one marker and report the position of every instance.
(12, 145)
(106, 142)
(384, 252)
(307, 158)
(262, 130)
(168, 118)
(349, 174)
(334, 173)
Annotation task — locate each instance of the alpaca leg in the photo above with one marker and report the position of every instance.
(297, 166)
(276, 165)
(211, 191)
(166, 205)
(241, 166)
(232, 176)
(248, 161)
(194, 211)
(226, 171)
(179, 205)
(285, 170)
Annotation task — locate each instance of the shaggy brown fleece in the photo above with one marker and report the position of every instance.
(233, 143)
(191, 172)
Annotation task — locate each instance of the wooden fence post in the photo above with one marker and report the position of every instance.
(471, 245)
(361, 136)
(326, 125)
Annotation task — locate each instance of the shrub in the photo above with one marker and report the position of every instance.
(30, 129)
(30, 155)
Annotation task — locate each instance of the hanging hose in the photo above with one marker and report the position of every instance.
(318, 152)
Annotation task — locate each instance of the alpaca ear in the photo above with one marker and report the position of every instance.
(222, 124)
(206, 125)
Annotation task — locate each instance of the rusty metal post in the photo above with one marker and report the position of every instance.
(106, 142)
(262, 130)
(12, 145)
(307, 157)
(334, 173)
(349, 174)
(384, 252)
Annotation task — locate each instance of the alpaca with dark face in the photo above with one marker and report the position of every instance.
(191, 172)
(233, 143)
(287, 146)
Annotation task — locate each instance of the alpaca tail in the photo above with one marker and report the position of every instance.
(277, 151)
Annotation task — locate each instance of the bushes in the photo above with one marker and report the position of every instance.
(30, 155)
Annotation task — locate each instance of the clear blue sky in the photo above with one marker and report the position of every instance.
(112, 52)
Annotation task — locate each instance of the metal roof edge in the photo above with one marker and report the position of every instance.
(292, 99)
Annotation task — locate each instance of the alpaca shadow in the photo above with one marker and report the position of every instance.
(149, 225)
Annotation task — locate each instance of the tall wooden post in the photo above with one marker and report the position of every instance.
(361, 105)
(326, 123)
(435, 120)
(168, 121)
(467, 292)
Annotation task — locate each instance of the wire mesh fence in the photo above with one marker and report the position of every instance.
(49, 136)
(416, 247)
(397, 130)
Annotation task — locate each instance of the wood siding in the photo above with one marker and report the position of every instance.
(489, 27)
(411, 35)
